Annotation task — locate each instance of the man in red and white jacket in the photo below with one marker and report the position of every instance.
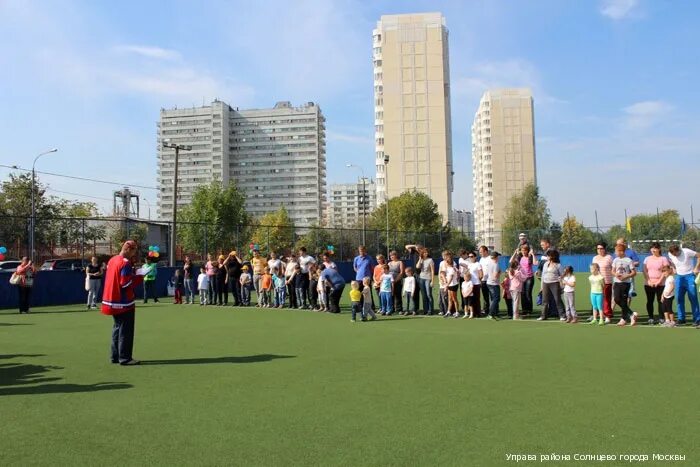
(119, 301)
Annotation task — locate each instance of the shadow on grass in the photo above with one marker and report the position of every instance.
(16, 324)
(17, 355)
(207, 360)
(63, 311)
(12, 374)
(22, 379)
(62, 388)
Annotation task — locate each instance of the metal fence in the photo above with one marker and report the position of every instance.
(102, 236)
(82, 238)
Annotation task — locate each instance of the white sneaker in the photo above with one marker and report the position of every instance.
(622, 322)
(562, 319)
(455, 314)
(441, 313)
(607, 321)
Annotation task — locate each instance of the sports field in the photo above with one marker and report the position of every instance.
(221, 386)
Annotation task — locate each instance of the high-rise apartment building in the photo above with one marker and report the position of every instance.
(347, 202)
(503, 157)
(275, 156)
(412, 107)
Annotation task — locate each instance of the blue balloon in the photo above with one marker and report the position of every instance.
(3, 250)
(156, 249)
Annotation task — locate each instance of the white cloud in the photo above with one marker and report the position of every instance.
(618, 9)
(103, 72)
(512, 73)
(643, 115)
(307, 48)
(149, 51)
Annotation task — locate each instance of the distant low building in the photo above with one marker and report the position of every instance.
(347, 202)
(463, 221)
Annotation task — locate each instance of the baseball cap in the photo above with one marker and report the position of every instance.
(495, 254)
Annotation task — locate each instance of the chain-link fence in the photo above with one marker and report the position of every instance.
(81, 238)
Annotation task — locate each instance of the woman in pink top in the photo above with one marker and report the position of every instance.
(654, 280)
(526, 260)
(604, 262)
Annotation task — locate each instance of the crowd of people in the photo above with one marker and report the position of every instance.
(470, 285)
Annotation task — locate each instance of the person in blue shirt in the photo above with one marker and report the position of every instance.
(337, 284)
(363, 265)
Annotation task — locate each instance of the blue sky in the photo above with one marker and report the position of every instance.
(617, 108)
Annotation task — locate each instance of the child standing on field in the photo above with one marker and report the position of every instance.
(266, 288)
(203, 286)
(467, 292)
(409, 286)
(507, 296)
(516, 278)
(386, 281)
(179, 286)
(367, 299)
(668, 295)
(597, 281)
(322, 295)
(442, 294)
(280, 286)
(355, 299)
(245, 280)
(568, 280)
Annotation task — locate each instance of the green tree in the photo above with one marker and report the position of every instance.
(525, 212)
(575, 238)
(213, 218)
(316, 240)
(128, 230)
(16, 209)
(275, 232)
(455, 240)
(72, 229)
(410, 214)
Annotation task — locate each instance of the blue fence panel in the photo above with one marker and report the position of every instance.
(65, 288)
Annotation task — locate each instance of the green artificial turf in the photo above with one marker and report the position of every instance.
(222, 386)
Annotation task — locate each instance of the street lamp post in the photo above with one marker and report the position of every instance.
(32, 221)
(148, 203)
(363, 200)
(173, 230)
(386, 196)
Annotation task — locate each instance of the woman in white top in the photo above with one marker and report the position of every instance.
(552, 273)
(450, 273)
